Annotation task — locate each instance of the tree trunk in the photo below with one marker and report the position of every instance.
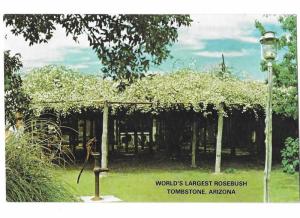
(104, 144)
(268, 139)
(219, 140)
(194, 142)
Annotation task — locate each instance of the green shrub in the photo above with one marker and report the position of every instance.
(29, 173)
(290, 155)
(230, 170)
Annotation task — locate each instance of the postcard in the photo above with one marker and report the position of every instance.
(151, 108)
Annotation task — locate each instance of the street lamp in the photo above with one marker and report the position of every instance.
(268, 52)
(268, 46)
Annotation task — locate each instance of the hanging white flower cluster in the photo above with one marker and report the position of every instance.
(183, 90)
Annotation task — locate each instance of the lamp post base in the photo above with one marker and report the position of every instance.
(101, 199)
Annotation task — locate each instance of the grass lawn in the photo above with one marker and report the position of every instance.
(137, 183)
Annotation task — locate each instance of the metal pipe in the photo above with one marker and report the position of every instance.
(268, 134)
(97, 170)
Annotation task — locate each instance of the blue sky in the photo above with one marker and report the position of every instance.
(199, 47)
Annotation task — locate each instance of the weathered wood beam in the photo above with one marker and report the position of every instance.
(194, 142)
(104, 144)
(142, 139)
(151, 135)
(118, 137)
(126, 139)
(231, 137)
(205, 135)
(135, 137)
(219, 139)
(84, 140)
(91, 128)
(154, 129)
(115, 134)
(115, 131)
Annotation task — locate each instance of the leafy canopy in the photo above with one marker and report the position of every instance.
(125, 44)
(15, 99)
(290, 155)
(285, 71)
(66, 91)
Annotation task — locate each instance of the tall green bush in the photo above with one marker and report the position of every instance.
(29, 173)
(290, 155)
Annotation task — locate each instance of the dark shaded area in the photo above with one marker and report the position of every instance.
(168, 136)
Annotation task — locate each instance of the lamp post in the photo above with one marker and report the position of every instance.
(268, 52)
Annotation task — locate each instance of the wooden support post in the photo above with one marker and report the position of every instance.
(76, 134)
(115, 134)
(205, 135)
(253, 138)
(98, 130)
(135, 138)
(151, 135)
(126, 139)
(194, 141)
(164, 130)
(91, 128)
(104, 144)
(231, 140)
(154, 129)
(84, 136)
(72, 137)
(118, 133)
(162, 134)
(158, 134)
(219, 139)
(142, 139)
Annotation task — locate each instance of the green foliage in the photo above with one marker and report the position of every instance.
(230, 170)
(290, 155)
(65, 88)
(285, 71)
(260, 27)
(66, 91)
(29, 173)
(125, 44)
(15, 99)
(286, 101)
(191, 90)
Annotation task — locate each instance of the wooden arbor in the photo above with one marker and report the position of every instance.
(105, 121)
(104, 137)
(200, 131)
